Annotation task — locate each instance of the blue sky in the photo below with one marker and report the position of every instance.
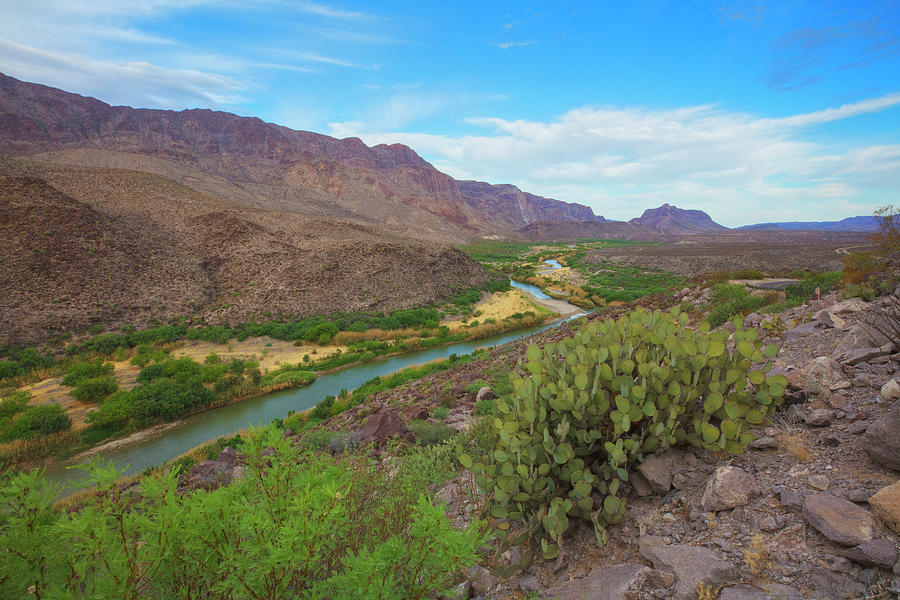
(751, 111)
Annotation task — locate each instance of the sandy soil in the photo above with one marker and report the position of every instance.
(268, 352)
(503, 304)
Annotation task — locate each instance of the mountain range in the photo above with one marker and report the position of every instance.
(862, 223)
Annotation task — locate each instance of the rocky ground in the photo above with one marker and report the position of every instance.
(811, 510)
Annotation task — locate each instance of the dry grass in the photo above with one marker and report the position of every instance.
(758, 556)
(791, 438)
(501, 305)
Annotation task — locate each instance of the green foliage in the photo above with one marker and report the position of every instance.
(441, 412)
(13, 405)
(297, 525)
(730, 300)
(95, 389)
(37, 420)
(431, 434)
(621, 283)
(590, 408)
(11, 368)
(803, 291)
(81, 370)
(484, 407)
(852, 290)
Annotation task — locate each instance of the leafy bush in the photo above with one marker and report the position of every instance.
(592, 406)
(484, 407)
(431, 434)
(113, 413)
(95, 389)
(10, 368)
(81, 370)
(730, 300)
(37, 420)
(441, 412)
(317, 528)
(13, 405)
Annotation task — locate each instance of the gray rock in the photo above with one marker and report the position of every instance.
(729, 487)
(839, 520)
(779, 591)
(804, 330)
(463, 591)
(742, 592)
(882, 438)
(641, 485)
(602, 583)
(858, 495)
(210, 474)
(656, 579)
(228, 456)
(529, 584)
(820, 482)
(879, 553)
(857, 427)
(768, 523)
(890, 390)
(481, 579)
(819, 417)
(831, 584)
(238, 473)
(484, 393)
(658, 469)
(763, 443)
(791, 499)
(859, 355)
(829, 319)
(692, 566)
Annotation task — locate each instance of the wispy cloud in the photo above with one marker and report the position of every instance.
(134, 83)
(734, 165)
(330, 11)
(508, 45)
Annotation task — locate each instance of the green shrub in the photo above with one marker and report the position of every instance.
(95, 389)
(441, 412)
(113, 413)
(730, 300)
(13, 405)
(431, 434)
(484, 407)
(322, 410)
(297, 525)
(81, 370)
(594, 405)
(37, 420)
(10, 368)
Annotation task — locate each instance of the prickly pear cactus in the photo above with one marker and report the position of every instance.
(585, 411)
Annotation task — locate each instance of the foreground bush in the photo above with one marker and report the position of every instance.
(37, 420)
(592, 406)
(304, 527)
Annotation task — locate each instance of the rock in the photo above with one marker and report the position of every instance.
(779, 591)
(228, 456)
(658, 469)
(839, 520)
(820, 374)
(382, 426)
(886, 504)
(858, 495)
(829, 319)
(729, 487)
(791, 499)
(764, 443)
(647, 543)
(602, 583)
(804, 330)
(832, 584)
(641, 486)
(768, 523)
(656, 579)
(857, 427)
(414, 413)
(882, 438)
(742, 592)
(481, 579)
(288, 433)
(890, 390)
(529, 584)
(851, 305)
(692, 566)
(820, 482)
(841, 385)
(484, 393)
(238, 473)
(462, 591)
(879, 553)
(819, 417)
(209, 474)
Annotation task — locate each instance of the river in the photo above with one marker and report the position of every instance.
(224, 421)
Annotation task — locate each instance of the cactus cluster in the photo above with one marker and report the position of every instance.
(586, 410)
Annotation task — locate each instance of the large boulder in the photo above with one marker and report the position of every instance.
(692, 566)
(210, 474)
(382, 426)
(886, 504)
(877, 553)
(484, 393)
(882, 438)
(729, 487)
(839, 520)
(658, 469)
(820, 374)
(602, 583)
(861, 343)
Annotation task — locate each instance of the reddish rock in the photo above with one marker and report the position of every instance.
(839, 520)
(886, 504)
(382, 426)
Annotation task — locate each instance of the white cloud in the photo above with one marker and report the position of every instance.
(738, 167)
(508, 45)
(139, 84)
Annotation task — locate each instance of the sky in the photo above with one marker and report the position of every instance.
(750, 111)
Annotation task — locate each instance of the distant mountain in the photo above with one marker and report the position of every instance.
(673, 220)
(862, 223)
(261, 165)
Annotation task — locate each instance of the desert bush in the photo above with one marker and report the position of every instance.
(431, 434)
(81, 370)
(37, 420)
(10, 368)
(730, 300)
(585, 411)
(440, 412)
(13, 405)
(95, 389)
(114, 412)
(298, 525)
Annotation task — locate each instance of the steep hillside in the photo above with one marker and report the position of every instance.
(671, 219)
(573, 230)
(84, 246)
(258, 164)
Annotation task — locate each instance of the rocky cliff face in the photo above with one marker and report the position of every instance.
(508, 205)
(259, 164)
